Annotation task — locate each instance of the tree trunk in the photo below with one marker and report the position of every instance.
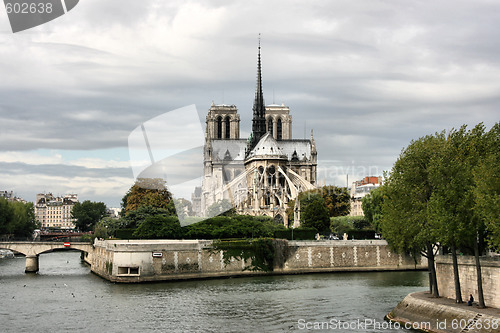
(458, 291)
(432, 270)
(479, 276)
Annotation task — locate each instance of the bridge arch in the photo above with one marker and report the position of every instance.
(33, 249)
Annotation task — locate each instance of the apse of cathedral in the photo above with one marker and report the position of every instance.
(257, 175)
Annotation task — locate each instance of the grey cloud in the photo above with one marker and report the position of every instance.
(60, 170)
(367, 76)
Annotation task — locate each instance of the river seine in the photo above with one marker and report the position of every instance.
(66, 297)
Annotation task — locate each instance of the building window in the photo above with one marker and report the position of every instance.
(279, 130)
(267, 199)
(128, 271)
(270, 125)
(281, 180)
(219, 127)
(228, 128)
(271, 176)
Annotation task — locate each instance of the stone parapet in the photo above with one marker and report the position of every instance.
(158, 260)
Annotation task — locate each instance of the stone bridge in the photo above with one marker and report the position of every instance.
(33, 249)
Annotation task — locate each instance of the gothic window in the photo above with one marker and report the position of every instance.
(270, 125)
(281, 180)
(278, 219)
(261, 173)
(219, 127)
(271, 176)
(228, 128)
(267, 199)
(279, 130)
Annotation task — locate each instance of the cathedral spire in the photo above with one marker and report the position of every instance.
(259, 109)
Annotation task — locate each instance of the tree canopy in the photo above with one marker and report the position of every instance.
(151, 192)
(337, 200)
(444, 189)
(372, 207)
(87, 214)
(159, 226)
(17, 218)
(487, 190)
(321, 204)
(313, 212)
(405, 222)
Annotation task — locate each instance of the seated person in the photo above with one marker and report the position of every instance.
(471, 300)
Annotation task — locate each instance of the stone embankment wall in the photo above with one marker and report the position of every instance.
(157, 260)
(437, 315)
(490, 269)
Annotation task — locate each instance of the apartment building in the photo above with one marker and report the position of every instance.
(55, 212)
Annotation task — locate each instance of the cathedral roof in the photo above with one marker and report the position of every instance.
(302, 148)
(267, 146)
(233, 148)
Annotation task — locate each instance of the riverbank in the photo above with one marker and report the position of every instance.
(132, 261)
(442, 315)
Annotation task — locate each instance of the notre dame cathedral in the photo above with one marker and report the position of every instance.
(261, 174)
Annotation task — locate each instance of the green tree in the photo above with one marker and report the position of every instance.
(372, 207)
(17, 218)
(159, 226)
(6, 216)
(452, 204)
(107, 227)
(337, 200)
(87, 214)
(405, 222)
(487, 190)
(24, 217)
(136, 217)
(341, 225)
(350, 225)
(313, 212)
(146, 192)
(238, 226)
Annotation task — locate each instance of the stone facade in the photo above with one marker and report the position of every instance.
(359, 190)
(158, 260)
(55, 212)
(490, 269)
(258, 175)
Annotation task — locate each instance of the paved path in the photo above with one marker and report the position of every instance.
(450, 302)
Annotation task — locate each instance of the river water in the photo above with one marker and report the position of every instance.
(66, 297)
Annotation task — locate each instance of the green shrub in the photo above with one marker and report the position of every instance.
(125, 233)
(298, 234)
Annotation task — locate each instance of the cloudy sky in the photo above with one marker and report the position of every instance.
(367, 76)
